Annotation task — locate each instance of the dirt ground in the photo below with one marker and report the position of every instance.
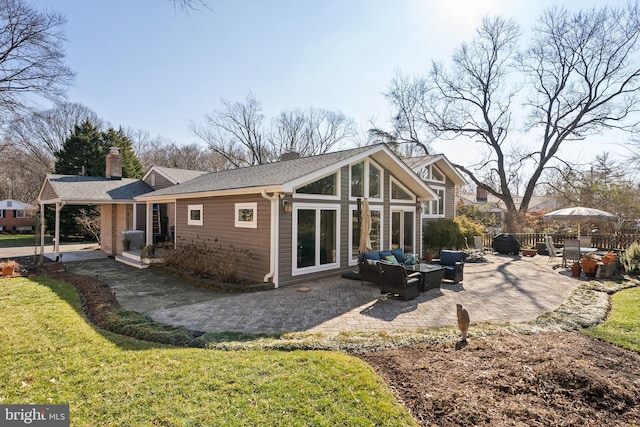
(560, 379)
(547, 379)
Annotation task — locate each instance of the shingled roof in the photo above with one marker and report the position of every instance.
(175, 175)
(260, 176)
(73, 189)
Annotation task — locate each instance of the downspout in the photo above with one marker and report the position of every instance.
(273, 252)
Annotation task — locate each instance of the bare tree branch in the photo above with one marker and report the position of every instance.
(31, 58)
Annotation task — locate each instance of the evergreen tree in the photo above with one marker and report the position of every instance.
(83, 153)
(131, 165)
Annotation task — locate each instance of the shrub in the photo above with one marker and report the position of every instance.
(631, 259)
(468, 228)
(442, 234)
(208, 259)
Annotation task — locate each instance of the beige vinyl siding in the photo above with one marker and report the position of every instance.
(161, 181)
(218, 223)
(449, 199)
(48, 193)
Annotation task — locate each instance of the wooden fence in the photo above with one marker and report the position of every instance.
(618, 242)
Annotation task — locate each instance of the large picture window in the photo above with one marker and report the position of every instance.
(316, 237)
(366, 180)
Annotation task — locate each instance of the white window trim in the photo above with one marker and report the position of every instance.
(21, 214)
(435, 188)
(365, 185)
(352, 209)
(246, 224)
(194, 221)
(320, 196)
(429, 177)
(444, 177)
(1, 213)
(295, 271)
(404, 209)
(399, 184)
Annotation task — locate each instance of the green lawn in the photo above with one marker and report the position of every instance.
(49, 353)
(16, 240)
(623, 325)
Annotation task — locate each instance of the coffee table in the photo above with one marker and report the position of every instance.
(432, 275)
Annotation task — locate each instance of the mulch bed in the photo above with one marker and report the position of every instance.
(561, 379)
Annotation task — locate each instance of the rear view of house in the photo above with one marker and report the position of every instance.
(299, 217)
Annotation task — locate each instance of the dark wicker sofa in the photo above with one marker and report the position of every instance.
(368, 263)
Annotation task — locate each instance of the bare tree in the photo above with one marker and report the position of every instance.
(309, 132)
(31, 58)
(579, 75)
(236, 133)
(42, 133)
(409, 135)
(192, 156)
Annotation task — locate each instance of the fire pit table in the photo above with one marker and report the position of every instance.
(432, 275)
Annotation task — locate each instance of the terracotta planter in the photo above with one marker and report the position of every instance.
(7, 271)
(529, 252)
(589, 266)
(609, 258)
(575, 270)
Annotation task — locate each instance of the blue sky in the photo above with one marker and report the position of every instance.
(143, 65)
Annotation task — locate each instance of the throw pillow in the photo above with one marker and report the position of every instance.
(391, 259)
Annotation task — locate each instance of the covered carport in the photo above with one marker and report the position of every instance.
(115, 196)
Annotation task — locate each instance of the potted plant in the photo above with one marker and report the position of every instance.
(8, 267)
(428, 255)
(576, 269)
(589, 264)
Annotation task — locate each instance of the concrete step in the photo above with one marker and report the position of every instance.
(133, 261)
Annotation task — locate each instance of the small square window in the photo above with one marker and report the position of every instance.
(195, 215)
(246, 215)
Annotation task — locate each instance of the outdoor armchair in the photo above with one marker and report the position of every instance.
(394, 279)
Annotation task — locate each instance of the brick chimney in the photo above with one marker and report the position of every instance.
(114, 164)
(289, 155)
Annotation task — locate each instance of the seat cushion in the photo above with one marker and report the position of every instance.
(451, 257)
(370, 255)
(399, 254)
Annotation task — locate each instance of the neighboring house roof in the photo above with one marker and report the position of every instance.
(494, 204)
(83, 190)
(10, 204)
(174, 175)
(417, 163)
(285, 176)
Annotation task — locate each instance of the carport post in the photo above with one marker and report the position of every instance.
(56, 254)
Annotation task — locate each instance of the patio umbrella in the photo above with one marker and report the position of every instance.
(365, 227)
(580, 214)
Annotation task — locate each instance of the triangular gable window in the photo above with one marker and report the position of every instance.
(324, 186)
(398, 193)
